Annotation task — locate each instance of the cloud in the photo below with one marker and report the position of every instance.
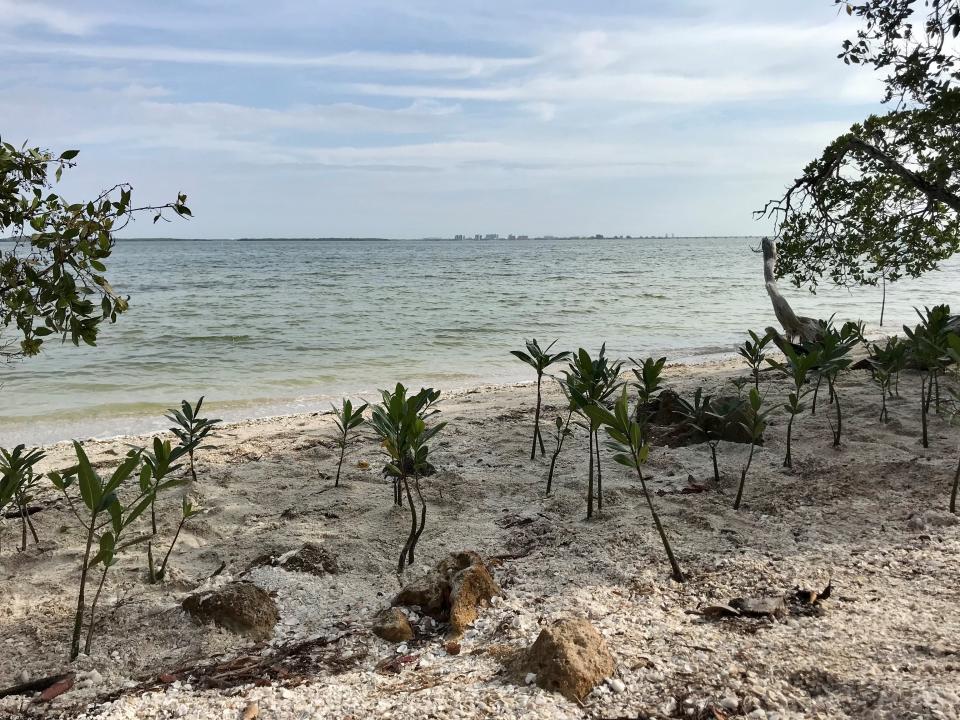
(25, 13)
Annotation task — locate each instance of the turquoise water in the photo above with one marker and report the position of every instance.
(274, 327)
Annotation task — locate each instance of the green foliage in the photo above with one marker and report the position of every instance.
(588, 382)
(17, 481)
(710, 419)
(754, 425)
(400, 422)
(833, 352)
(100, 497)
(648, 382)
(158, 465)
(346, 419)
(187, 511)
(539, 359)
(752, 351)
(883, 199)
(928, 344)
(631, 449)
(796, 368)
(190, 429)
(52, 279)
(953, 352)
(886, 363)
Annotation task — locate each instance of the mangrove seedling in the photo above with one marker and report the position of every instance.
(560, 435)
(591, 382)
(886, 361)
(157, 466)
(647, 374)
(702, 418)
(796, 368)
(399, 422)
(539, 359)
(346, 418)
(754, 426)
(953, 353)
(928, 346)
(833, 349)
(187, 511)
(752, 352)
(100, 497)
(191, 429)
(631, 450)
(17, 481)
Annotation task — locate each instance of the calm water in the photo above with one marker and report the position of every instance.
(265, 328)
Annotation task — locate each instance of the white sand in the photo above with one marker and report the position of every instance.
(871, 516)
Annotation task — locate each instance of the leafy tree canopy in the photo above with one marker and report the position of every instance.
(52, 271)
(883, 199)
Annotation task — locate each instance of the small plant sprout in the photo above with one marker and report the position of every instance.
(157, 466)
(886, 361)
(631, 450)
(539, 359)
(100, 497)
(591, 382)
(928, 343)
(834, 358)
(187, 511)
(702, 418)
(346, 418)
(17, 481)
(756, 422)
(400, 422)
(752, 351)
(560, 435)
(648, 383)
(191, 429)
(796, 368)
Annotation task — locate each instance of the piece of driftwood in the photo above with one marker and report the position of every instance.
(39, 685)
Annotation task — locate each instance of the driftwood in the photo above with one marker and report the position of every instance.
(794, 326)
(33, 686)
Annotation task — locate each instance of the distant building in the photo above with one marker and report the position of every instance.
(491, 236)
(598, 236)
(478, 236)
(511, 236)
(459, 237)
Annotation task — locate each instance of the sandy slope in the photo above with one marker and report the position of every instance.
(870, 516)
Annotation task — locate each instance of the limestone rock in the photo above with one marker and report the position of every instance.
(453, 591)
(470, 589)
(240, 607)
(569, 657)
(392, 624)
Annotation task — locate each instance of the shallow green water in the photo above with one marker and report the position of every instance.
(272, 327)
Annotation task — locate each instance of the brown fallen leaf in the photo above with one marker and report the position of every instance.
(363, 465)
(452, 647)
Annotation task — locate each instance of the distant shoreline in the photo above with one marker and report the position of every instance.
(436, 239)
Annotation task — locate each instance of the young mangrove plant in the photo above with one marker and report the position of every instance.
(346, 418)
(592, 382)
(752, 351)
(399, 421)
(560, 435)
(100, 498)
(647, 374)
(17, 481)
(702, 418)
(630, 446)
(187, 511)
(953, 353)
(157, 466)
(928, 346)
(796, 368)
(754, 425)
(539, 359)
(190, 429)
(833, 349)
(886, 361)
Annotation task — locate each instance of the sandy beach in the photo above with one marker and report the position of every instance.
(870, 519)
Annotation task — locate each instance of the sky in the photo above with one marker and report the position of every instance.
(415, 118)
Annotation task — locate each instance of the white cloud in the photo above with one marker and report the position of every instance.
(17, 13)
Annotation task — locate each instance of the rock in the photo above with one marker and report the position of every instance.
(760, 607)
(470, 589)
(240, 607)
(392, 624)
(617, 685)
(310, 558)
(453, 591)
(569, 657)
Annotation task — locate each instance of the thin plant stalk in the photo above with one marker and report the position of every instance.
(93, 610)
(596, 445)
(676, 572)
(78, 616)
(590, 480)
(536, 423)
(743, 477)
(562, 435)
(956, 486)
(176, 535)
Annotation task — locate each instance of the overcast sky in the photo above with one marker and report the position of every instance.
(430, 117)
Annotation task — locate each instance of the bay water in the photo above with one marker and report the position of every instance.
(271, 327)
